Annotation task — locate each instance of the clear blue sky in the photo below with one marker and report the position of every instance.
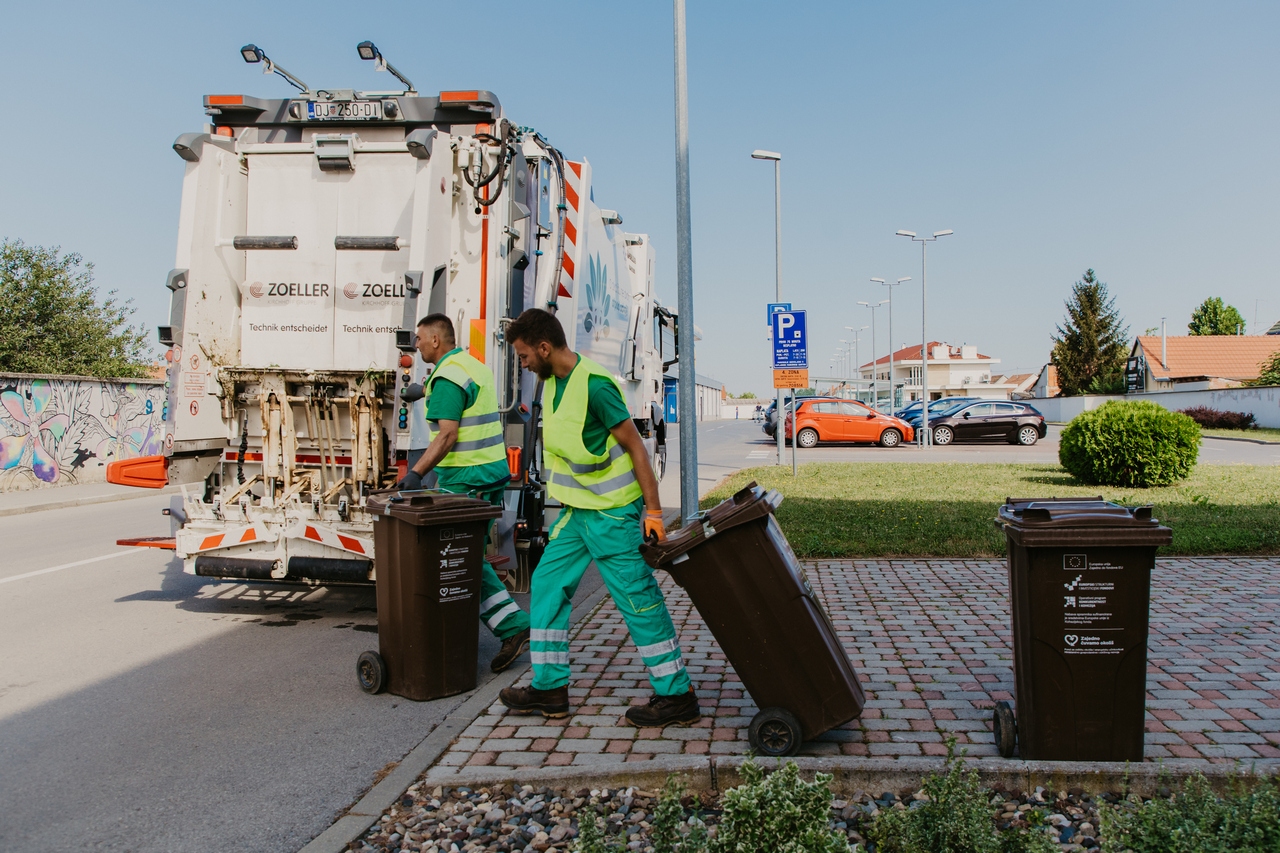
(1136, 138)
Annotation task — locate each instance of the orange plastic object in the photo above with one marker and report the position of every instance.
(145, 472)
(166, 542)
(513, 462)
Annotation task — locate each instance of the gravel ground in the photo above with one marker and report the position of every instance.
(509, 818)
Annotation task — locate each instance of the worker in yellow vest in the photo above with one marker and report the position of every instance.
(597, 467)
(468, 455)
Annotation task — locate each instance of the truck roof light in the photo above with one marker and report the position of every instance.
(224, 100)
(252, 53)
(369, 51)
(459, 97)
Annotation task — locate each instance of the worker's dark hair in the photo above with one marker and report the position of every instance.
(443, 323)
(535, 326)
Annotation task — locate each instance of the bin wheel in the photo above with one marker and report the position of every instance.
(1005, 729)
(775, 732)
(371, 670)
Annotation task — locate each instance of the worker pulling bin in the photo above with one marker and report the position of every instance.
(1079, 592)
(751, 591)
(429, 547)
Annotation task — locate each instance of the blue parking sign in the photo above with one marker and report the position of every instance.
(775, 307)
(790, 346)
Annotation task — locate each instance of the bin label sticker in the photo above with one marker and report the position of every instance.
(1075, 561)
(454, 593)
(1090, 644)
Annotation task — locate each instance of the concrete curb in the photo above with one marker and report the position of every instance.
(1240, 438)
(379, 798)
(870, 775)
(74, 502)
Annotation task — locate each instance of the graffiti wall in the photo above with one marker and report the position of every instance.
(59, 430)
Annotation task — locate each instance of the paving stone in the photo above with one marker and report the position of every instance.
(930, 639)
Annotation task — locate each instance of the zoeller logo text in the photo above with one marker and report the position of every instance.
(373, 291)
(293, 288)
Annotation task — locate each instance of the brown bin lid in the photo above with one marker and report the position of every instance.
(749, 504)
(430, 507)
(1040, 513)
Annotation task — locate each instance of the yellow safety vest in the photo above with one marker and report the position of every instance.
(480, 430)
(576, 476)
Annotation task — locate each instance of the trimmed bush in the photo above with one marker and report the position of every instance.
(1214, 419)
(1130, 443)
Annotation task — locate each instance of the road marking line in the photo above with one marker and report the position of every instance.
(66, 566)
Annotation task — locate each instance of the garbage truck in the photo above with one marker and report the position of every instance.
(314, 231)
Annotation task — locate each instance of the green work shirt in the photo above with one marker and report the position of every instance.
(605, 410)
(447, 403)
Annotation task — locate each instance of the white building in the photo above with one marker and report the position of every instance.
(954, 371)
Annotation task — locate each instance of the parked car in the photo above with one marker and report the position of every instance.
(911, 414)
(1016, 423)
(770, 426)
(845, 420)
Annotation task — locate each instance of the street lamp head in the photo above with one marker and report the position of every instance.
(942, 233)
(761, 154)
(906, 234)
(878, 280)
(883, 302)
(901, 280)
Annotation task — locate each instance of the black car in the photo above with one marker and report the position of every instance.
(911, 414)
(1016, 423)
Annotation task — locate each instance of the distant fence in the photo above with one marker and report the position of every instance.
(741, 411)
(59, 430)
(1263, 402)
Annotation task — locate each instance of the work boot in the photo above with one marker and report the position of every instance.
(512, 648)
(531, 700)
(665, 710)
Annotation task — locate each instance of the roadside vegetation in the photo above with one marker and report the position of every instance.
(833, 509)
(1259, 433)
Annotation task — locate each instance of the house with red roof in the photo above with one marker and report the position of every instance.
(1198, 362)
(954, 371)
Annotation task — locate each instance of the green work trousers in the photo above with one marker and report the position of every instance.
(497, 609)
(612, 538)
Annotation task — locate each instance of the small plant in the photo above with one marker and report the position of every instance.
(590, 837)
(1215, 419)
(664, 831)
(780, 813)
(1130, 443)
(1195, 820)
(954, 817)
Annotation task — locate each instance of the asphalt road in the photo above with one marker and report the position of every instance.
(143, 709)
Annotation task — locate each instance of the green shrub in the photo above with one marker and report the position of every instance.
(781, 813)
(955, 818)
(1196, 820)
(1130, 443)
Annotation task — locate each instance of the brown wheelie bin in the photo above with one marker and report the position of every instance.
(428, 548)
(742, 576)
(1079, 589)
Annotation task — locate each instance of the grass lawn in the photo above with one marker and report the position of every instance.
(1261, 433)
(855, 509)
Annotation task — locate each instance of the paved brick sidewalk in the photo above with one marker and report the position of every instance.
(930, 639)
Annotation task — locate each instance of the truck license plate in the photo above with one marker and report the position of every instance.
(344, 110)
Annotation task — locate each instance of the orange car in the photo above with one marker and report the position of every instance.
(846, 420)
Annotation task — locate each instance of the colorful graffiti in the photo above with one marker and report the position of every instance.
(57, 430)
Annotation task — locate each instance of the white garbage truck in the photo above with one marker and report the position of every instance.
(314, 231)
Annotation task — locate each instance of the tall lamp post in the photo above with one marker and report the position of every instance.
(875, 380)
(857, 362)
(777, 251)
(926, 438)
(891, 285)
(684, 281)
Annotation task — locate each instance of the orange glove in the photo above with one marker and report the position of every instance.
(653, 526)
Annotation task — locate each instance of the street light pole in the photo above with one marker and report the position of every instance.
(777, 251)
(684, 282)
(891, 285)
(857, 361)
(925, 437)
(875, 377)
